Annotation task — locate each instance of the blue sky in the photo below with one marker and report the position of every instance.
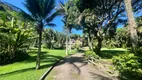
(57, 20)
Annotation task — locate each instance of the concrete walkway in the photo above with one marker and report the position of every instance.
(75, 67)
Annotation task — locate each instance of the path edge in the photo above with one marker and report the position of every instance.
(50, 68)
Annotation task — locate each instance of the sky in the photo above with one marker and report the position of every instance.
(57, 20)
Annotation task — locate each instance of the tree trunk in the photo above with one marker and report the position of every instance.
(67, 42)
(70, 42)
(39, 51)
(66, 46)
(90, 42)
(99, 45)
(132, 23)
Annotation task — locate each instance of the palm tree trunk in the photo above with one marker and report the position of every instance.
(39, 51)
(66, 47)
(132, 23)
(70, 42)
(66, 42)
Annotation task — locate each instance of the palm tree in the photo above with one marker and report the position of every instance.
(69, 11)
(132, 23)
(67, 34)
(64, 10)
(40, 12)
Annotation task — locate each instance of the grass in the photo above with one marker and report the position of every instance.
(109, 53)
(25, 70)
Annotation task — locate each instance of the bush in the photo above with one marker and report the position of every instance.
(111, 43)
(44, 45)
(77, 46)
(90, 55)
(21, 55)
(138, 51)
(58, 46)
(129, 66)
(6, 58)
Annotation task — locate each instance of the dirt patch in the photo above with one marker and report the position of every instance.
(75, 67)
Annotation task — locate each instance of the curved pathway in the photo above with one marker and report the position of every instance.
(75, 67)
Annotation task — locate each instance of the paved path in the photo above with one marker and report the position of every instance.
(75, 68)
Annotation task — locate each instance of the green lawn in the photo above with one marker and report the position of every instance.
(109, 53)
(25, 70)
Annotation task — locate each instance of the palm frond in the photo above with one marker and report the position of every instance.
(51, 24)
(51, 17)
(33, 6)
(40, 10)
(48, 6)
(27, 16)
(63, 8)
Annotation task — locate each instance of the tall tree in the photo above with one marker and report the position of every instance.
(40, 11)
(69, 11)
(97, 18)
(132, 23)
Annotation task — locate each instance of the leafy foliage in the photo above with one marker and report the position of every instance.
(41, 12)
(70, 13)
(15, 39)
(129, 66)
(110, 43)
(53, 39)
(16, 35)
(90, 55)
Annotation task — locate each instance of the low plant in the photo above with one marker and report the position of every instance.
(90, 55)
(129, 66)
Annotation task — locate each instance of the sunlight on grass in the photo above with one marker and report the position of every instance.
(109, 53)
(121, 49)
(25, 70)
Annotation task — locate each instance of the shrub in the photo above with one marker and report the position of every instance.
(138, 51)
(19, 55)
(111, 43)
(44, 45)
(129, 66)
(90, 55)
(77, 46)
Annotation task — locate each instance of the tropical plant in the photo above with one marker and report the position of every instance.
(139, 28)
(91, 56)
(129, 66)
(53, 39)
(106, 15)
(70, 13)
(59, 40)
(96, 20)
(15, 39)
(49, 38)
(122, 37)
(40, 11)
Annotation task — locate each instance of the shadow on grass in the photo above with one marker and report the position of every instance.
(33, 48)
(35, 52)
(45, 58)
(108, 54)
(25, 70)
